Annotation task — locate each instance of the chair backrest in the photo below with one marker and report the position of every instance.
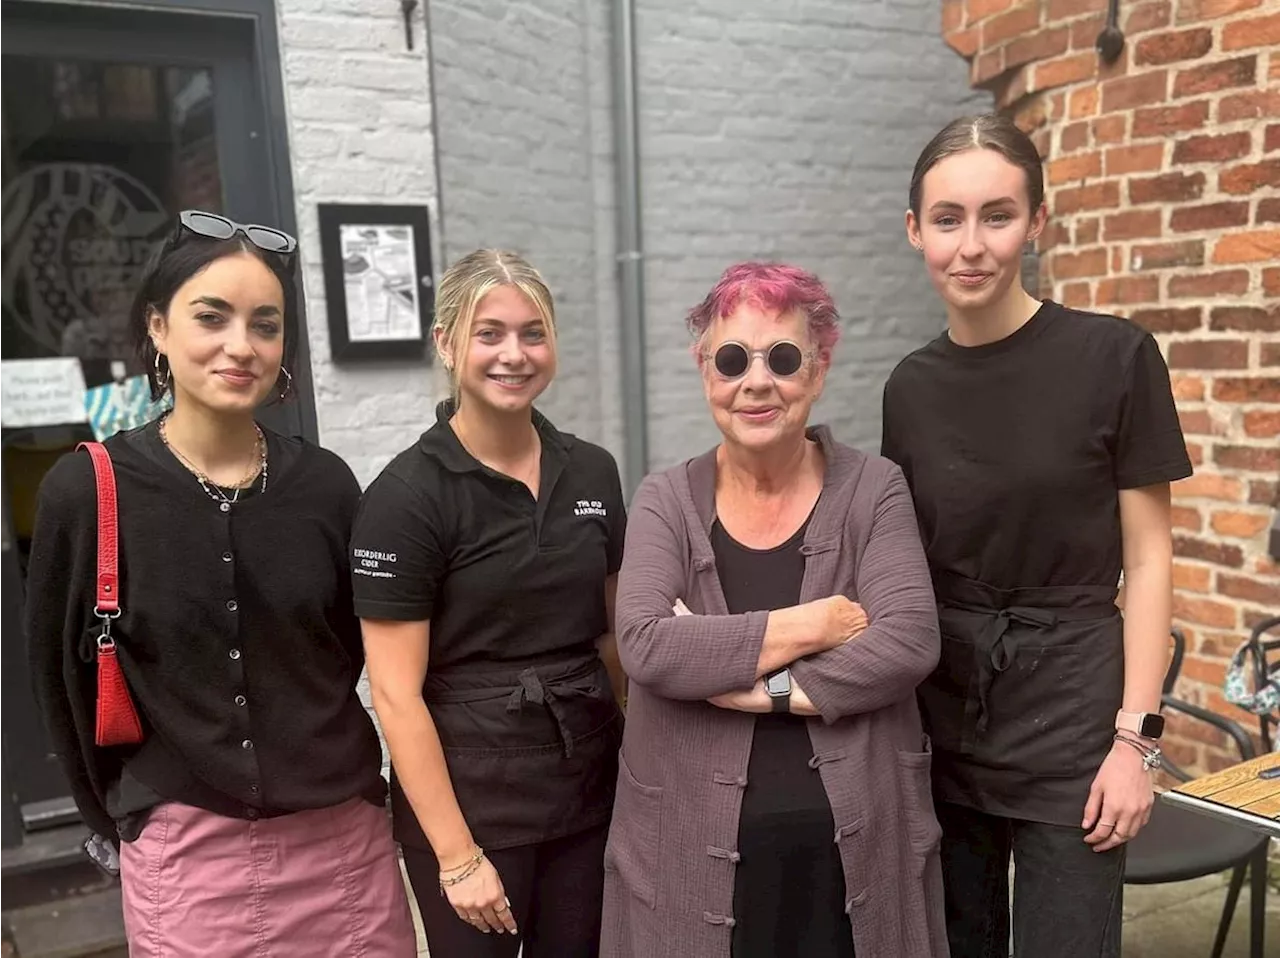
(1175, 663)
(1265, 672)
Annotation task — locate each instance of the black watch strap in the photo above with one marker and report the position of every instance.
(778, 685)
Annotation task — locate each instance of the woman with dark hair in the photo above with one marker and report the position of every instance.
(1039, 443)
(249, 806)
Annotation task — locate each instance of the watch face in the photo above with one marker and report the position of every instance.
(778, 683)
(1152, 726)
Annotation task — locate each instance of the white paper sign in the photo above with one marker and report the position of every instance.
(42, 392)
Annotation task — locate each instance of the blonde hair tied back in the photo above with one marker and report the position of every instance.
(466, 283)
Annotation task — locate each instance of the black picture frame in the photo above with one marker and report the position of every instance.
(383, 323)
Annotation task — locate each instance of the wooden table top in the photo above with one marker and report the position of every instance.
(1238, 793)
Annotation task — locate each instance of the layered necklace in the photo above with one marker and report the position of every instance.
(257, 467)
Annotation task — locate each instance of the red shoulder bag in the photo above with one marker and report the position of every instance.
(117, 720)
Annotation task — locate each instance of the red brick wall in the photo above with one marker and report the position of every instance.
(1163, 180)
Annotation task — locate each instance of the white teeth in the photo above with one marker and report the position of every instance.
(511, 380)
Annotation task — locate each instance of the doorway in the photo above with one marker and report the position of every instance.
(113, 120)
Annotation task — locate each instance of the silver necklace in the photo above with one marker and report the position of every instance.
(212, 489)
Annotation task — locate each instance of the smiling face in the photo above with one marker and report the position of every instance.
(761, 409)
(975, 218)
(508, 358)
(223, 335)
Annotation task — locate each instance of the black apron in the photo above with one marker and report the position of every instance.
(1022, 706)
(532, 750)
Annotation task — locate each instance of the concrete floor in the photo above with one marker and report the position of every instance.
(1161, 921)
(1180, 921)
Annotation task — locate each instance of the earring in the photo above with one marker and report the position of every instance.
(162, 377)
(288, 383)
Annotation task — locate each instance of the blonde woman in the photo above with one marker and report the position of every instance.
(485, 559)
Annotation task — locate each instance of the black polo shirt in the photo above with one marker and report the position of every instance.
(503, 579)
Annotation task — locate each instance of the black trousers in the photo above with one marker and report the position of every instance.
(556, 890)
(1067, 898)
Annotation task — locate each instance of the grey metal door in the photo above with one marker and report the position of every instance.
(113, 119)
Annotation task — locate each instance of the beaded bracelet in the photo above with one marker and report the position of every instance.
(1150, 756)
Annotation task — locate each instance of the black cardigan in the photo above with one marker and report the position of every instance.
(237, 637)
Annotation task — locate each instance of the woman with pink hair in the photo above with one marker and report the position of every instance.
(774, 616)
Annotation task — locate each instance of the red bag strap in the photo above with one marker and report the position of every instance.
(107, 592)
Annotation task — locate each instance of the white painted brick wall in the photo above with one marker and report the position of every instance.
(775, 130)
(523, 94)
(359, 110)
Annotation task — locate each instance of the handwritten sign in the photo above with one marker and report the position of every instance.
(41, 392)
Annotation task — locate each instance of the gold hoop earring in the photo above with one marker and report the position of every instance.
(288, 383)
(162, 378)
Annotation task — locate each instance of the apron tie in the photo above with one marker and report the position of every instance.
(531, 691)
(994, 652)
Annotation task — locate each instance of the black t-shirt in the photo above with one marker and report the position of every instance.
(1015, 451)
(788, 893)
(502, 578)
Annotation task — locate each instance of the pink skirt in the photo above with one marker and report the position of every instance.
(314, 883)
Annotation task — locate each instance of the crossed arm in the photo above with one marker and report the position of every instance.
(843, 663)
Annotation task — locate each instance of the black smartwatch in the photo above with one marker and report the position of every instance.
(778, 685)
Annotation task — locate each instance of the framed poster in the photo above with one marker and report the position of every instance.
(377, 280)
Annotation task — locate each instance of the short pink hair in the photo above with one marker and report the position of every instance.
(771, 286)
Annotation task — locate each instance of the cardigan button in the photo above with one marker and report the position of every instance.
(226, 557)
(241, 701)
(235, 654)
(232, 605)
(247, 745)
(224, 506)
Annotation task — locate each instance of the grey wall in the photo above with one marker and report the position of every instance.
(788, 131)
(523, 119)
(770, 129)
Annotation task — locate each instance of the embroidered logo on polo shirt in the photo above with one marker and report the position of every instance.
(590, 507)
(370, 563)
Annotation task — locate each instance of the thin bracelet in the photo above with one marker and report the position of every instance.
(479, 854)
(470, 870)
(1150, 756)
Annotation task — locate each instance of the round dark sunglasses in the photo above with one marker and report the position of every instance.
(220, 228)
(783, 359)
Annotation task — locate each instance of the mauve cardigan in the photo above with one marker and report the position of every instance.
(673, 839)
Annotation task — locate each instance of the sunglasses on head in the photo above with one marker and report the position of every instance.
(213, 226)
(783, 359)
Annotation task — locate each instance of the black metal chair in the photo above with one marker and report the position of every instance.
(1178, 845)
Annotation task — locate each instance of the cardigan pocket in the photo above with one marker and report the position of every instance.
(916, 794)
(634, 837)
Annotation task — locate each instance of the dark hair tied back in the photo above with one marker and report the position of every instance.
(987, 131)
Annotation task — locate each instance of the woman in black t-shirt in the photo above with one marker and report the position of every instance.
(485, 561)
(1039, 443)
